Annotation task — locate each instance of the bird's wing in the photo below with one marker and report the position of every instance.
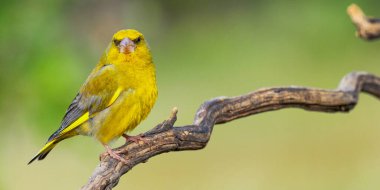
(100, 90)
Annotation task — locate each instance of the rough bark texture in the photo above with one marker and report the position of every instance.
(366, 28)
(166, 138)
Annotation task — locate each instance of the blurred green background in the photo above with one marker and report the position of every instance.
(202, 49)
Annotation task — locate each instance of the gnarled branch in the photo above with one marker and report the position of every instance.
(166, 138)
(366, 28)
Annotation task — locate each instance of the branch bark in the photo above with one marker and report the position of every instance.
(366, 28)
(166, 138)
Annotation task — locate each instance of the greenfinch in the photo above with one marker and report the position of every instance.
(117, 95)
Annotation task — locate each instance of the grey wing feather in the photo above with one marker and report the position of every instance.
(87, 103)
(74, 111)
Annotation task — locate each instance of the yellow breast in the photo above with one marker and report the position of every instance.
(137, 79)
(125, 114)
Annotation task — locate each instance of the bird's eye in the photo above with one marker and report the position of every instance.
(116, 42)
(137, 40)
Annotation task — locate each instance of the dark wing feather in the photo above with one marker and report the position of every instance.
(72, 113)
(96, 97)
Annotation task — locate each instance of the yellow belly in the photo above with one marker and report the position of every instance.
(122, 116)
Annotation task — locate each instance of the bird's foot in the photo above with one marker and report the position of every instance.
(113, 154)
(136, 139)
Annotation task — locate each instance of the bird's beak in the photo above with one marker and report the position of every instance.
(127, 46)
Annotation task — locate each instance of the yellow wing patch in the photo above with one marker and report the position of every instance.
(76, 123)
(115, 96)
(86, 115)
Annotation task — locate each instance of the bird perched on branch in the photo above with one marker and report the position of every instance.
(117, 95)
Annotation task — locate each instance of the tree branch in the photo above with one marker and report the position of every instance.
(166, 138)
(366, 28)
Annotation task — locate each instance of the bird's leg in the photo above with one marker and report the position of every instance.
(135, 139)
(113, 154)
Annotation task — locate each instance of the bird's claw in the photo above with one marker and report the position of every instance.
(114, 154)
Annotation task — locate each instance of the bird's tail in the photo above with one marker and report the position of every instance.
(44, 150)
(52, 142)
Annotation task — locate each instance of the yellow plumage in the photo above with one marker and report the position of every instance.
(117, 95)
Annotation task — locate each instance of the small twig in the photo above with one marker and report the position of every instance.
(165, 138)
(366, 28)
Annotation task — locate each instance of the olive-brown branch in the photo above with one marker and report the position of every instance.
(366, 28)
(166, 138)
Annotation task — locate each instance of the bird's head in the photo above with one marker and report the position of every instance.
(128, 43)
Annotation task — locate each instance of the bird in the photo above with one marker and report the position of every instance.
(117, 95)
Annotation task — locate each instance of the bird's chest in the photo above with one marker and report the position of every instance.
(124, 115)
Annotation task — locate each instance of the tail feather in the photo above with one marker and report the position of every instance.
(42, 156)
(44, 151)
(52, 142)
